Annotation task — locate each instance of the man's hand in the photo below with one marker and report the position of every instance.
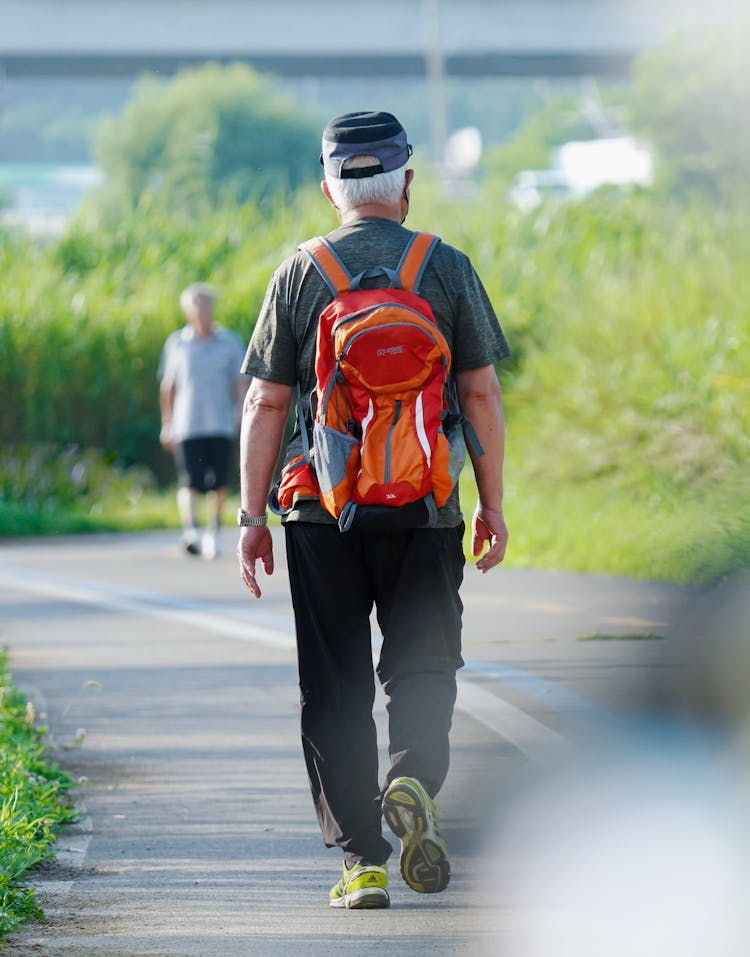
(165, 437)
(482, 403)
(265, 414)
(488, 526)
(255, 543)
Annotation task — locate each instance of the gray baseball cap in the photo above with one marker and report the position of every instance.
(364, 134)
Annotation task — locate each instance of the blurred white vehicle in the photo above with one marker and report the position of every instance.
(614, 161)
(581, 167)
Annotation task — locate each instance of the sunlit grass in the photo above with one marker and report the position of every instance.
(666, 534)
(627, 397)
(33, 803)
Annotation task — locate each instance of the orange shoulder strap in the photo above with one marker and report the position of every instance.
(328, 264)
(415, 258)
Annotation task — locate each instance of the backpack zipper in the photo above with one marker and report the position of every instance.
(384, 325)
(350, 317)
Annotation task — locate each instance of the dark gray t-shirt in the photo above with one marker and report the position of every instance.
(282, 347)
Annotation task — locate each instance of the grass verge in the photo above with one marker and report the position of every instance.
(35, 803)
(693, 538)
(661, 532)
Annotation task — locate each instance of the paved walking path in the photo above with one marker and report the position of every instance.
(172, 695)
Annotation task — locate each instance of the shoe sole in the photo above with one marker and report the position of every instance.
(364, 899)
(424, 864)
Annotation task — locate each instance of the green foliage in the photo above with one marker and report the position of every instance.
(628, 395)
(33, 803)
(628, 391)
(673, 341)
(692, 99)
(41, 481)
(208, 134)
(83, 322)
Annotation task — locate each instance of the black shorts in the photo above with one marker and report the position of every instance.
(203, 464)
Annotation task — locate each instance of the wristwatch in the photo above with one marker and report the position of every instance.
(244, 519)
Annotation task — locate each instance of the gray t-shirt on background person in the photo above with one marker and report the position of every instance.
(282, 348)
(203, 372)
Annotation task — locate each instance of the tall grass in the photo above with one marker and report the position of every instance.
(647, 336)
(83, 323)
(628, 399)
(627, 395)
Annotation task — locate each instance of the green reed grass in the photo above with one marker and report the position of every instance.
(627, 397)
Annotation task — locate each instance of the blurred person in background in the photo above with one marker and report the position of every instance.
(201, 395)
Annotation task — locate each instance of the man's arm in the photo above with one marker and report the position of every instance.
(166, 406)
(482, 403)
(263, 419)
(240, 385)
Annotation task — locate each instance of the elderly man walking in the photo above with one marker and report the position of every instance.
(406, 562)
(200, 395)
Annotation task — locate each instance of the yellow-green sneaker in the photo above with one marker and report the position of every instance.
(363, 885)
(412, 816)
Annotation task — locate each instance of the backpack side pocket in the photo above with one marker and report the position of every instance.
(297, 481)
(336, 456)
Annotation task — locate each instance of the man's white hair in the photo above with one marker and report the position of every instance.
(193, 291)
(381, 188)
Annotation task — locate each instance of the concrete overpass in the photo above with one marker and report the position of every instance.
(321, 38)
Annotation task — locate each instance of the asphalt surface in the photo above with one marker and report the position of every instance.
(171, 694)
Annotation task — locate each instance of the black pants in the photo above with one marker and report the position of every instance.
(412, 579)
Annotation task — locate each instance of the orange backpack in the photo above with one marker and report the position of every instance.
(385, 450)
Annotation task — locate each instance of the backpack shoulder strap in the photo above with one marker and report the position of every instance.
(333, 272)
(414, 259)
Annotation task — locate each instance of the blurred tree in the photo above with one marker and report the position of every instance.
(692, 99)
(208, 134)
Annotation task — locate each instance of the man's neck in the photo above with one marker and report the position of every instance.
(371, 211)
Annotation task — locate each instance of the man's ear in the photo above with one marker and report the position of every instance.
(327, 193)
(409, 177)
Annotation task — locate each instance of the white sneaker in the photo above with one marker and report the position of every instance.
(191, 541)
(210, 545)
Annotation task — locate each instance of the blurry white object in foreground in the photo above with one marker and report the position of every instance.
(642, 853)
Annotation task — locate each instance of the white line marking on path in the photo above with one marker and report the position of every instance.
(535, 739)
(529, 735)
(201, 615)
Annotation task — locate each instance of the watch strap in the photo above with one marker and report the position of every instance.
(251, 520)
